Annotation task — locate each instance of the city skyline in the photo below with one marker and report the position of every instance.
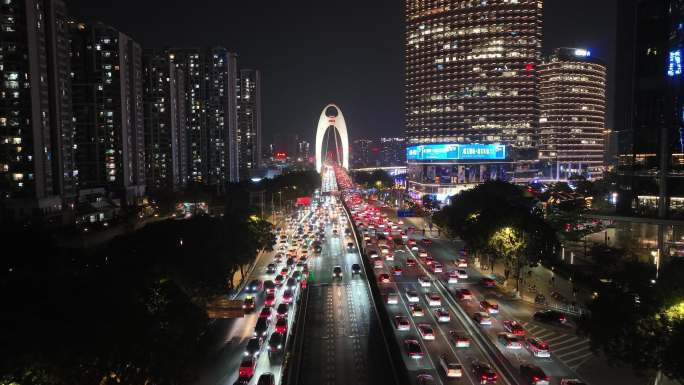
(310, 79)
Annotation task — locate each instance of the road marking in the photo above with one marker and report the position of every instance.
(545, 334)
(578, 358)
(569, 346)
(556, 338)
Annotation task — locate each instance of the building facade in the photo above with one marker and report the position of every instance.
(106, 68)
(392, 151)
(362, 153)
(211, 113)
(573, 114)
(165, 122)
(36, 130)
(472, 79)
(249, 122)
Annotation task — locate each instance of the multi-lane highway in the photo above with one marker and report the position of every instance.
(342, 341)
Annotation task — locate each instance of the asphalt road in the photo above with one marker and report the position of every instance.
(342, 339)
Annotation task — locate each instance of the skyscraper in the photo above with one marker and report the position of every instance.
(106, 68)
(392, 151)
(211, 112)
(472, 106)
(36, 163)
(471, 74)
(361, 152)
(573, 114)
(165, 122)
(249, 121)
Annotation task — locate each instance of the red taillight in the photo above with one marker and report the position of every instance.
(535, 378)
(484, 376)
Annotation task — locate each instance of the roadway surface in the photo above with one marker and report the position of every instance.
(342, 340)
(232, 335)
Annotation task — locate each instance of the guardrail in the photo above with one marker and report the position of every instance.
(292, 360)
(391, 346)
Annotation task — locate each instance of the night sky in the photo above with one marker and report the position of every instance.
(312, 52)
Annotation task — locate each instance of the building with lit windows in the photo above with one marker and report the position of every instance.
(211, 113)
(303, 150)
(249, 122)
(106, 68)
(36, 129)
(471, 79)
(362, 153)
(573, 114)
(166, 150)
(392, 151)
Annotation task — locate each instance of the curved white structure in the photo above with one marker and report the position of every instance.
(338, 124)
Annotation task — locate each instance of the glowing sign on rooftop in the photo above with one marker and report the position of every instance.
(456, 152)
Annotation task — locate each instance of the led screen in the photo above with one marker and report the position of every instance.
(456, 152)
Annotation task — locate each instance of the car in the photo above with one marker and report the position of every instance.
(269, 300)
(425, 241)
(425, 379)
(426, 331)
(464, 294)
(533, 374)
(461, 262)
(453, 278)
(402, 322)
(356, 268)
(460, 340)
(392, 298)
(484, 373)
(482, 318)
(571, 381)
(511, 341)
(550, 316)
(514, 327)
(276, 343)
(254, 346)
(450, 366)
(247, 367)
(266, 312)
(282, 310)
(378, 264)
(412, 296)
(442, 315)
(261, 328)
(271, 268)
(416, 310)
(269, 287)
(462, 274)
(281, 325)
(537, 347)
(337, 272)
(266, 379)
(288, 296)
(297, 275)
(248, 304)
(424, 281)
(373, 254)
(410, 262)
(433, 299)
(489, 306)
(413, 349)
(279, 280)
(384, 278)
(397, 270)
(291, 283)
(436, 267)
(488, 282)
(422, 253)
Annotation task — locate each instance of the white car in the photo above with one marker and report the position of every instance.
(414, 248)
(437, 268)
(453, 278)
(426, 331)
(461, 262)
(424, 281)
(389, 257)
(402, 323)
(482, 318)
(433, 299)
(412, 296)
(423, 254)
(392, 299)
(462, 274)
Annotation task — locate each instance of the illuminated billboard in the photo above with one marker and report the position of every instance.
(456, 152)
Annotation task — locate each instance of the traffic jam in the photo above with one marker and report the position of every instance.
(273, 298)
(437, 307)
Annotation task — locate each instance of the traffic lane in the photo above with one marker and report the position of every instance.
(554, 369)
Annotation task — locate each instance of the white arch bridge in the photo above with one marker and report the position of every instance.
(332, 123)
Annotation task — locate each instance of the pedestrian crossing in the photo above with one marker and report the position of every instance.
(571, 350)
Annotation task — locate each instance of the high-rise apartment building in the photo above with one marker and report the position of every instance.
(303, 150)
(472, 82)
(106, 68)
(573, 114)
(392, 151)
(211, 113)
(166, 134)
(249, 121)
(36, 130)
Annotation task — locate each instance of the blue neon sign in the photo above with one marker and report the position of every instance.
(456, 152)
(674, 64)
